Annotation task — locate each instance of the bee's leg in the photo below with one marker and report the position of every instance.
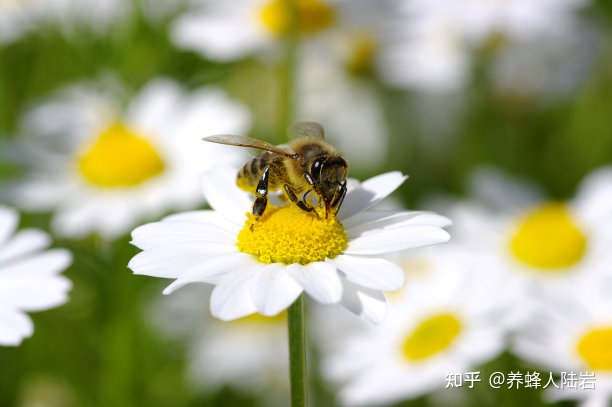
(261, 193)
(293, 198)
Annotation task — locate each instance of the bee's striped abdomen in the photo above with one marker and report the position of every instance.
(251, 171)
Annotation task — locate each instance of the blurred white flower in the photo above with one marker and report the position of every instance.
(550, 66)
(102, 168)
(452, 315)
(264, 265)
(17, 17)
(225, 31)
(478, 20)
(570, 332)
(541, 243)
(514, 19)
(30, 277)
(428, 43)
(345, 104)
(250, 353)
(331, 68)
(426, 52)
(335, 84)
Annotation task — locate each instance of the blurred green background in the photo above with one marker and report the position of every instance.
(99, 349)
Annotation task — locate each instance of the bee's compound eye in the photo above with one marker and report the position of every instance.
(315, 170)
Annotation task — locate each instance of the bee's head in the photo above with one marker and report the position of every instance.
(329, 180)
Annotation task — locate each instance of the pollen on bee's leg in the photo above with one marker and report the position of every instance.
(290, 235)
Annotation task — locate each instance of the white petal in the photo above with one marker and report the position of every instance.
(212, 111)
(34, 293)
(78, 219)
(223, 194)
(396, 239)
(181, 234)
(24, 242)
(211, 271)
(221, 37)
(594, 199)
(372, 220)
(367, 303)
(39, 265)
(207, 217)
(370, 193)
(40, 194)
(273, 289)
(154, 109)
(378, 274)
(14, 326)
(231, 299)
(8, 222)
(168, 263)
(320, 280)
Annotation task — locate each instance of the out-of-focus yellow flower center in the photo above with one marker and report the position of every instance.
(262, 320)
(431, 336)
(548, 238)
(119, 158)
(360, 60)
(313, 16)
(290, 235)
(595, 348)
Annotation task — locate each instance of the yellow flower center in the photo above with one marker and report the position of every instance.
(313, 16)
(549, 239)
(595, 348)
(290, 235)
(119, 158)
(360, 60)
(431, 336)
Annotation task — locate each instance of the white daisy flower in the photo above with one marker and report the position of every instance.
(571, 334)
(30, 277)
(264, 265)
(452, 315)
(543, 243)
(102, 168)
(226, 31)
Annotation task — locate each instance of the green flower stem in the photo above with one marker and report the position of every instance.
(119, 341)
(287, 74)
(286, 113)
(297, 353)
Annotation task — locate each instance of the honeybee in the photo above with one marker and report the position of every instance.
(307, 165)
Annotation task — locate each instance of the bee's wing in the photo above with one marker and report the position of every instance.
(243, 141)
(308, 129)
